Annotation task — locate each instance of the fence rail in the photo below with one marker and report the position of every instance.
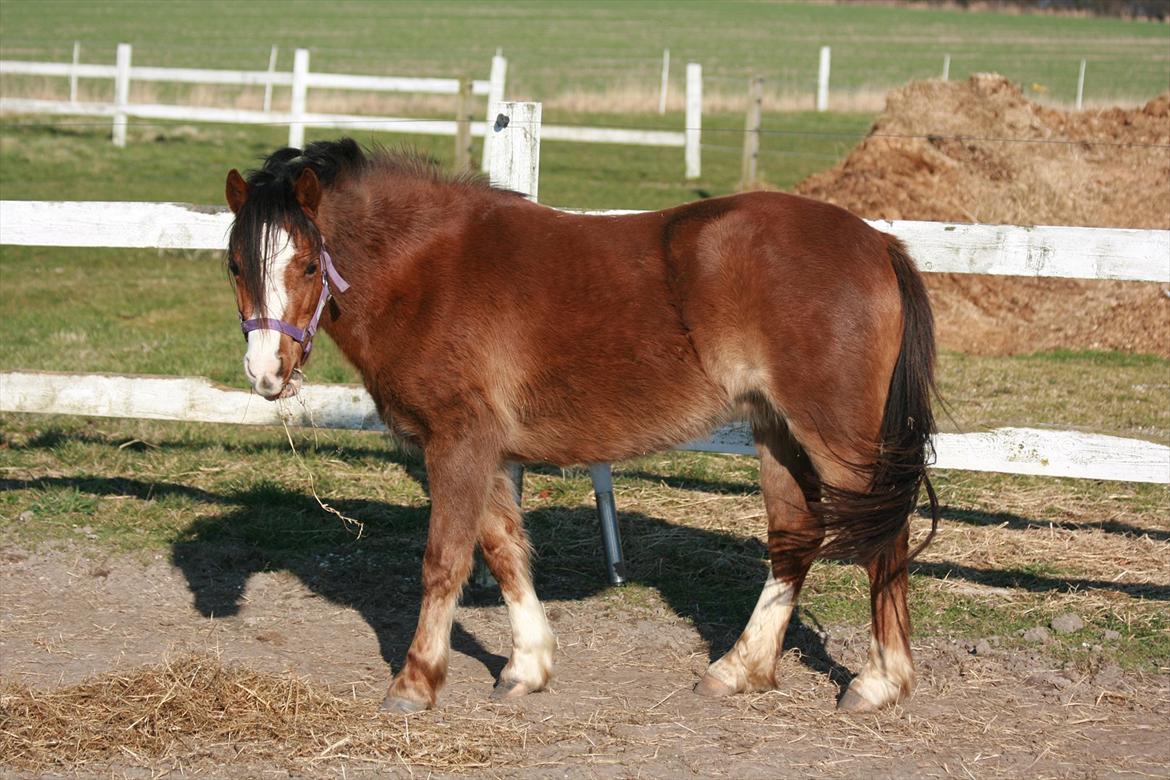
(1090, 253)
(1049, 251)
(348, 407)
(246, 78)
(300, 80)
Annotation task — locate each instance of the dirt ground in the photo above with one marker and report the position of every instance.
(621, 704)
(937, 153)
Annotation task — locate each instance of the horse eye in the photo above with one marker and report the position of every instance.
(234, 267)
(312, 269)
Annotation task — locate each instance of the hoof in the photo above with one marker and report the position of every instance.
(713, 687)
(855, 704)
(509, 689)
(401, 706)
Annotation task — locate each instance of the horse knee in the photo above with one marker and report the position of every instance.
(445, 569)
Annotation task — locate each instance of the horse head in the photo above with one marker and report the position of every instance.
(284, 276)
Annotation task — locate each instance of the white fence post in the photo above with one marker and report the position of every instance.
(268, 84)
(121, 93)
(73, 75)
(946, 68)
(823, 81)
(749, 172)
(694, 125)
(515, 148)
(665, 81)
(300, 91)
(1081, 86)
(499, 74)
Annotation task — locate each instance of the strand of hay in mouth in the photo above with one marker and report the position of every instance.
(346, 520)
(196, 709)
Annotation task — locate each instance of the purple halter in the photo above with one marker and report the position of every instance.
(302, 337)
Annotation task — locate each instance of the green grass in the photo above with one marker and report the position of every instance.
(599, 44)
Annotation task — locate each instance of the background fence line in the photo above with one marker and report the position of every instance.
(298, 117)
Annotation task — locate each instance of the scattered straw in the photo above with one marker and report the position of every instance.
(197, 707)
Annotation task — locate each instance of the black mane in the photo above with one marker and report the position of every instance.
(272, 204)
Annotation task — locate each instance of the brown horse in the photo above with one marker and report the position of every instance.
(491, 329)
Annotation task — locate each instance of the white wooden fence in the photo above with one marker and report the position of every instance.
(1088, 253)
(298, 117)
(300, 79)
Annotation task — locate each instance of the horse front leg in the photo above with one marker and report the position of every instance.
(459, 484)
(506, 550)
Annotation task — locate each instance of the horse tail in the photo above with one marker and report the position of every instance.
(861, 525)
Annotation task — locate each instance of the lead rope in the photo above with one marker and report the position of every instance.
(349, 522)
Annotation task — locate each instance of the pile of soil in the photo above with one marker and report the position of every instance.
(979, 151)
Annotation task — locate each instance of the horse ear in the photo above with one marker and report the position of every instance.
(308, 190)
(236, 190)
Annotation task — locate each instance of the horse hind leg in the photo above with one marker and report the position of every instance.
(506, 550)
(794, 534)
(888, 675)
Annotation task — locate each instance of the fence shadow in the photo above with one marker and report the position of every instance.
(1021, 523)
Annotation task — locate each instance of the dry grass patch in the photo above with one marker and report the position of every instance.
(195, 707)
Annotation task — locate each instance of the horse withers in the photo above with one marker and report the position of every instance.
(490, 329)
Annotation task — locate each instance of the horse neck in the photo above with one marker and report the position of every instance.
(373, 225)
(375, 232)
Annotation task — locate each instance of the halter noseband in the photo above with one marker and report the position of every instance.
(302, 337)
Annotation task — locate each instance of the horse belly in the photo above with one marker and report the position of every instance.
(606, 407)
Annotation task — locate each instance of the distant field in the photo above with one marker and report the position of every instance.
(611, 51)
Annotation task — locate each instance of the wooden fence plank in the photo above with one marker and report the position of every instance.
(515, 148)
(613, 135)
(693, 129)
(185, 399)
(191, 399)
(1069, 252)
(114, 224)
(244, 78)
(121, 93)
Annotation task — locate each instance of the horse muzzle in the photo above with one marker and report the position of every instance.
(265, 368)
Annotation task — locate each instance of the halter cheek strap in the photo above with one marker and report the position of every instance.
(330, 280)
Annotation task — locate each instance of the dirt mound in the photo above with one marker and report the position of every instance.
(939, 152)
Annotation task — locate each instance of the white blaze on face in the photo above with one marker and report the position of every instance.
(262, 360)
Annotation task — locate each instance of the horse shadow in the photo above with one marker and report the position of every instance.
(710, 578)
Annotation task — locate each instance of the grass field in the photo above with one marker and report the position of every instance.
(609, 46)
(1013, 552)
